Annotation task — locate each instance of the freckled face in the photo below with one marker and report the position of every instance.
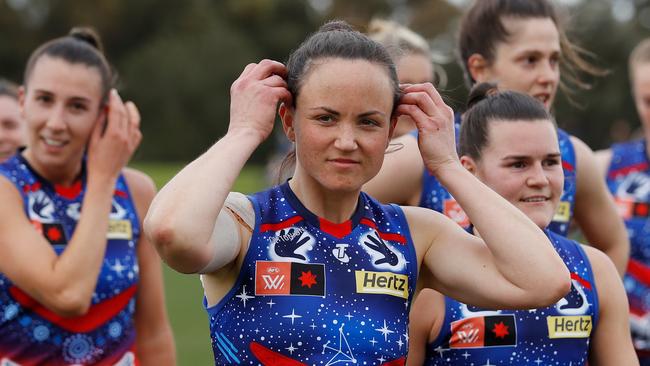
(342, 123)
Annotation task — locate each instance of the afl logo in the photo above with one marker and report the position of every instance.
(273, 270)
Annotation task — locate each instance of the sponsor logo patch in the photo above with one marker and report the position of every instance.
(289, 278)
(484, 331)
(563, 212)
(453, 210)
(384, 283)
(569, 326)
(119, 229)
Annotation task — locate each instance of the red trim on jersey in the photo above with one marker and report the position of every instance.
(582, 281)
(386, 236)
(639, 271)
(68, 192)
(32, 187)
(96, 316)
(567, 166)
(337, 230)
(280, 225)
(625, 170)
(121, 194)
(397, 362)
(268, 357)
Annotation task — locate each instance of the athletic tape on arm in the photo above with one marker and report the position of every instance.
(237, 213)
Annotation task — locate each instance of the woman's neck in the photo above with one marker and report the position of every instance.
(64, 175)
(333, 206)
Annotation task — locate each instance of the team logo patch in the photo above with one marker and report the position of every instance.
(452, 209)
(289, 278)
(383, 283)
(119, 229)
(569, 326)
(53, 233)
(563, 212)
(484, 331)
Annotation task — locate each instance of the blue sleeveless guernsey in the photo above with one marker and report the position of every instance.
(556, 335)
(311, 292)
(628, 179)
(31, 334)
(436, 197)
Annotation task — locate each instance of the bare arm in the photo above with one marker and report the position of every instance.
(154, 342)
(66, 283)
(426, 318)
(400, 178)
(514, 265)
(181, 221)
(611, 343)
(595, 210)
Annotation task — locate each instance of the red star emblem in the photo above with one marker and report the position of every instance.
(54, 234)
(500, 330)
(307, 279)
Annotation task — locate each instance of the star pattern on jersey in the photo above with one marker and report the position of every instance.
(385, 331)
(292, 316)
(244, 296)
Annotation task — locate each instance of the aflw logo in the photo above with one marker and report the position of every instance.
(470, 336)
(273, 282)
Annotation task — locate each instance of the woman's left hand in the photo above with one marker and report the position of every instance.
(435, 122)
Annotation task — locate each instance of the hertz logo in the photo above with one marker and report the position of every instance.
(569, 326)
(386, 283)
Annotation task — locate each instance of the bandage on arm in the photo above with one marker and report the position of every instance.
(236, 215)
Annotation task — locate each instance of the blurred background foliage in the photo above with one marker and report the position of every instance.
(177, 59)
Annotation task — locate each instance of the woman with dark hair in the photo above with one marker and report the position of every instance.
(521, 46)
(78, 283)
(314, 271)
(12, 128)
(509, 141)
(627, 169)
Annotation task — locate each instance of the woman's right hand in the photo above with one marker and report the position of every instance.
(255, 96)
(113, 143)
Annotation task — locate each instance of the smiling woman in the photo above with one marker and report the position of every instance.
(75, 273)
(314, 270)
(12, 127)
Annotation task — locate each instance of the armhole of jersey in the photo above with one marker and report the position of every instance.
(596, 304)
(445, 329)
(411, 246)
(249, 217)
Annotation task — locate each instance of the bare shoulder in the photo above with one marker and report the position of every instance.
(140, 184)
(603, 158)
(605, 273)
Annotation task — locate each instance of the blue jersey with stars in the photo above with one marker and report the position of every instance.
(628, 179)
(31, 334)
(311, 292)
(436, 197)
(556, 335)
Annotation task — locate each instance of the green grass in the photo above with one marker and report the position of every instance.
(183, 293)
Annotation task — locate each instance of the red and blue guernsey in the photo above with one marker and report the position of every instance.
(436, 197)
(31, 334)
(628, 179)
(311, 292)
(556, 335)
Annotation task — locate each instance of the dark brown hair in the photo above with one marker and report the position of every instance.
(487, 104)
(81, 46)
(482, 28)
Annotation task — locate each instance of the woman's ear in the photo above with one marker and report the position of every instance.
(469, 164)
(391, 128)
(286, 115)
(477, 66)
(21, 100)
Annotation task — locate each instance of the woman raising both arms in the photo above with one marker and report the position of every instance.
(314, 271)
